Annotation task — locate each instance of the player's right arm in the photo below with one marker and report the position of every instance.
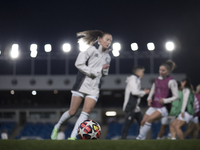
(149, 98)
(81, 60)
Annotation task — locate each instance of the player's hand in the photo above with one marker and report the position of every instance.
(182, 114)
(105, 66)
(146, 91)
(161, 101)
(149, 102)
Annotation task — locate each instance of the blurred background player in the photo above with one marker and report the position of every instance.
(187, 109)
(164, 91)
(194, 124)
(174, 112)
(92, 64)
(4, 134)
(133, 94)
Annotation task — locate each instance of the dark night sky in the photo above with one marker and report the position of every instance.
(141, 21)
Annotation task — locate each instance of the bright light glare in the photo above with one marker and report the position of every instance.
(12, 92)
(150, 46)
(34, 92)
(0, 52)
(66, 47)
(170, 46)
(33, 54)
(83, 46)
(134, 46)
(115, 53)
(111, 113)
(33, 49)
(116, 46)
(47, 48)
(15, 51)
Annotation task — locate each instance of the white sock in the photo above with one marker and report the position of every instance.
(64, 117)
(84, 116)
(173, 138)
(144, 130)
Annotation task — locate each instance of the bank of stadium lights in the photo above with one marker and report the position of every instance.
(150, 46)
(33, 49)
(14, 51)
(111, 113)
(47, 48)
(170, 46)
(66, 47)
(116, 48)
(134, 46)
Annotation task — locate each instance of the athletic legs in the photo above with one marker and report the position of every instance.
(87, 108)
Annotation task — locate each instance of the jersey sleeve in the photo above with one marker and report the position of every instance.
(105, 71)
(174, 89)
(81, 63)
(151, 92)
(135, 87)
(186, 93)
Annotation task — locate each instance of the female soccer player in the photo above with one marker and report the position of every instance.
(194, 124)
(92, 65)
(164, 90)
(174, 112)
(187, 108)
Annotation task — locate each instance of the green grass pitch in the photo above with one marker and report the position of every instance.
(100, 145)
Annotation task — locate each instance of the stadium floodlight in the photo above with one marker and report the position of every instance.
(33, 49)
(150, 46)
(116, 46)
(111, 113)
(47, 48)
(33, 54)
(34, 92)
(12, 92)
(170, 46)
(15, 51)
(66, 47)
(134, 46)
(115, 53)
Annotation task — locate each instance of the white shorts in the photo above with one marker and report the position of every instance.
(187, 117)
(79, 94)
(162, 110)
(167, 120)
(195, 120)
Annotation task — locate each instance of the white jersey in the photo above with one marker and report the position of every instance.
(89, 64)
(133, 87)
(172, 85)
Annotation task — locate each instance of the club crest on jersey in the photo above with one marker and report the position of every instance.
(96, 55)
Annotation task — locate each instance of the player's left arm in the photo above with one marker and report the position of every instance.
(174, 89)
(105, 67)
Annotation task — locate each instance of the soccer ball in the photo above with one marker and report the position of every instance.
(89, 129)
